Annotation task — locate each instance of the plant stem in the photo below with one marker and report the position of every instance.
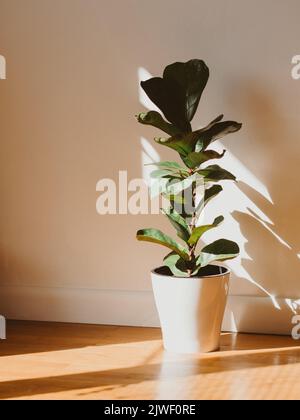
(192, 248)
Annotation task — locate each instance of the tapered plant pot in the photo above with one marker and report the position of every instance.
(191, 310)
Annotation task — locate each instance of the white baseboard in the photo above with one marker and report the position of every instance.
(113, 307)
(260, 315)
(86, 306)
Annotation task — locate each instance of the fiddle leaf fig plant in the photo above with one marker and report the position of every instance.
(177, 94)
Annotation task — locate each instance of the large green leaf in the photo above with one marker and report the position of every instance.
(184, 144)
(158, 237)
(178, 93)
(194, 159)
(215, 132)
(176, 264)
(220, 250)
(216, 173)
(192, 77)
(154, 119)
(170, 99)
(197, 141)
(198, 232)
(179, 223)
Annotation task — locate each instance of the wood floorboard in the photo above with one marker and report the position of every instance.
(51, 361)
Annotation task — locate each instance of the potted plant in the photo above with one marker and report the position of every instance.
(190, 290)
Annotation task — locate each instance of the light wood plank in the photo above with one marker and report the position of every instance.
(65, 361)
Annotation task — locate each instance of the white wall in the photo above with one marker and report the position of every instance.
(67, 119)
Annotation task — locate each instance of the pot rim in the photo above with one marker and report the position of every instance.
(227, 271)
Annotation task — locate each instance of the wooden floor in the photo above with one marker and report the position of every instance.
(58, 361)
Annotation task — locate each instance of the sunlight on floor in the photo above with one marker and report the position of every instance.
(129, 363)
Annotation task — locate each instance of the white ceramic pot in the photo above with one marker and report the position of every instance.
(191, 310)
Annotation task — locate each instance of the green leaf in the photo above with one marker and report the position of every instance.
(215, 131)
(220, 250)
(212, 192)
(178, 93)
(192, 77)
(183, 144)
(198, 232)
(198, 141)
(179, 223)
(209, 194)
(176, 187)
(154, 119)
(170, 99)
(195, 159)
(158, 237)
(164, 174)
(177, 265)
(171, 166)
(212, 123)
(168, 165)
(216, 173)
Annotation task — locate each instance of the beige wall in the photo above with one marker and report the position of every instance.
(67, 119)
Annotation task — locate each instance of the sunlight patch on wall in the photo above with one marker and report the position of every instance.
(143, 75)
(149, 156)
(242, 172)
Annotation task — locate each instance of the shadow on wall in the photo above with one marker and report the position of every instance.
(265, 223)
(272, 247)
